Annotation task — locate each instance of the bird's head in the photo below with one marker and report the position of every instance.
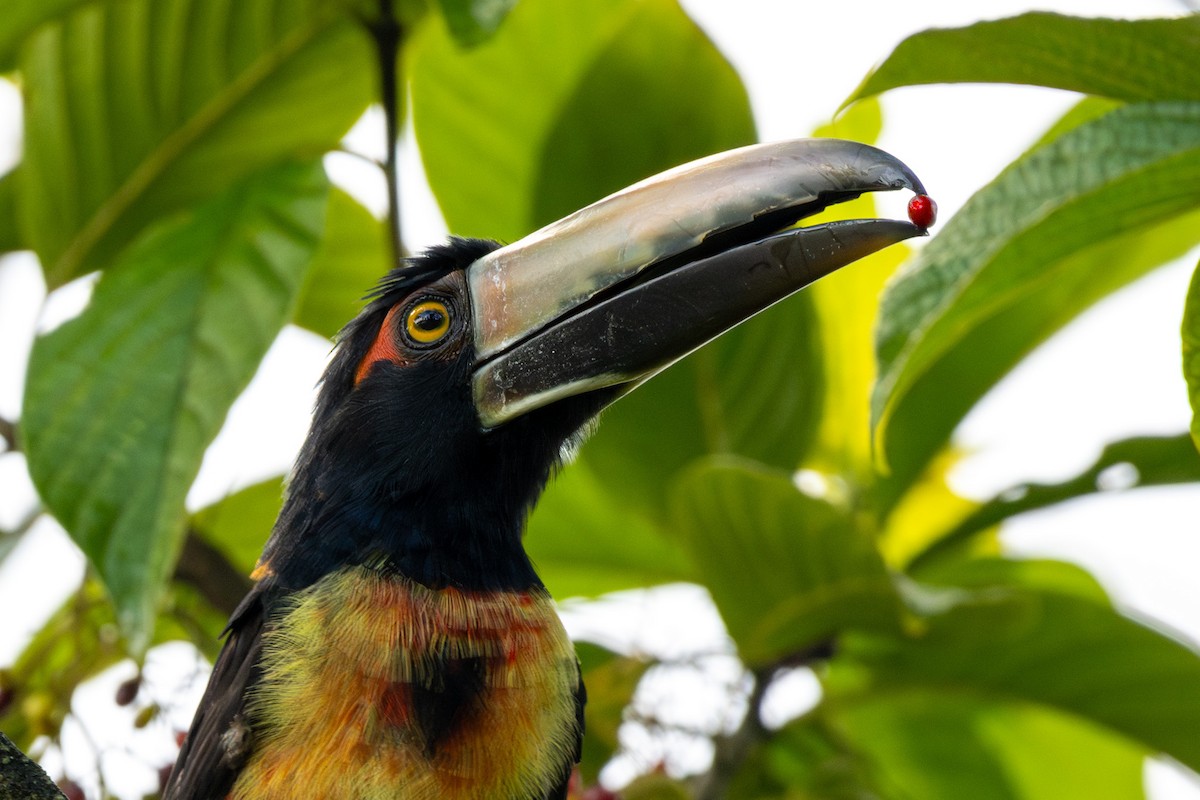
(473, 365)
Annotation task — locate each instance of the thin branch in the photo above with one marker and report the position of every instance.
(731, 751)
(206, 568)
(388, 34)
(8, 432)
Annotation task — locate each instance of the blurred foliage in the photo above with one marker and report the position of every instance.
(179, 161)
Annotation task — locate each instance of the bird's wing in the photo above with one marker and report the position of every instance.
(219, 741)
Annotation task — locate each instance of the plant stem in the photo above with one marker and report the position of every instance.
(8, 432)
(387, 33)
(732, 750)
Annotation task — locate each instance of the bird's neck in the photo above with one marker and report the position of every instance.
(458, 536)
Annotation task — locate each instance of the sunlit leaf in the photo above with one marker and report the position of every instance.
(473, 21)
(122, 401)
(1048, 648)
(239, 524)
(846, 304)
(939, 746)
(926, 511)
(1191, 351)
(786, 570)
(137, 109)
(1127, 464)
(353, 255)
(1059, 229)
(1137, 60)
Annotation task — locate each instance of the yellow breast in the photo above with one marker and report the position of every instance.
(332, 714)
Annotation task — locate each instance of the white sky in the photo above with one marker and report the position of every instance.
(1113, 373)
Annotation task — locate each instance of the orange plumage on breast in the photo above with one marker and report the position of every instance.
(334, 714)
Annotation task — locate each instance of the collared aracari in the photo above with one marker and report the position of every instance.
(397, 642)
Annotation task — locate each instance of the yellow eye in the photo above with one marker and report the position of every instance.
(427, 321)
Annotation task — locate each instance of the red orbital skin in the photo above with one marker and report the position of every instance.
(922, 210)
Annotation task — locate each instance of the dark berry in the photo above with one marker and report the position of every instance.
(922, 210)
(164, 775)
(127, 692)
(6, 698)
(71, 790)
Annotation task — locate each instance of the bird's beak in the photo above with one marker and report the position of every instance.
(618, 291)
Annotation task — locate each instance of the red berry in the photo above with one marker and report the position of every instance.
(180, 738)
(922, 210)
(164, 775)
(598, 792)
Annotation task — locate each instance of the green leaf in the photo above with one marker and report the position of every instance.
(611, 680)
(938, 747)
(1127, 464)
(586, 541)
(21, 18)
(1086, 110)
(473, 21)
(567, 102)
(239, 524)
(754, 392)
(786, 570)
(10, 235)
(846, 305)
(1022, 646)
(1047, 575)
(137, 109)
(354, 253)
(1191, 351)
(122, 401)
(1059, 229)
(1135, 60)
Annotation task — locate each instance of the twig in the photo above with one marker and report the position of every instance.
(206, 568)
(8, 432)
(732, 750)
(387, 33)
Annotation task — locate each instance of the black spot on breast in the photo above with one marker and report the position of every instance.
(449, 697)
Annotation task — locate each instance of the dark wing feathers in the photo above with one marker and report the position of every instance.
(219, 741)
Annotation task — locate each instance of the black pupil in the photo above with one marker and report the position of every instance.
(429, 319)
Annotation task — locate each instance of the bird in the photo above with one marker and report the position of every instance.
(397, 641)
